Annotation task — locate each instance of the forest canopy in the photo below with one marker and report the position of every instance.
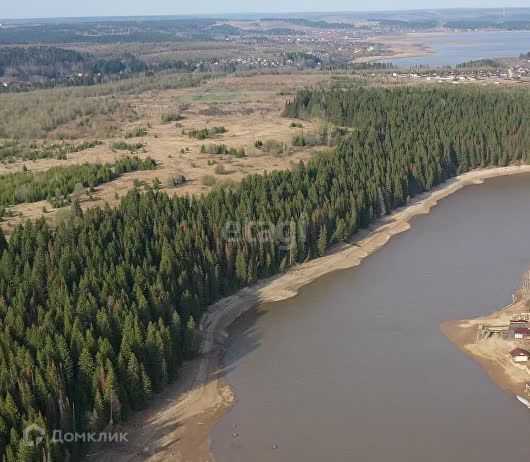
(59, 181)
(99, 313)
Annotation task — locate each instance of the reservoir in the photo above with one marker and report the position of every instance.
(459, 47)
(355, 367)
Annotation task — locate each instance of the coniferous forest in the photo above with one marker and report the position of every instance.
(28, 186)
(99, 312)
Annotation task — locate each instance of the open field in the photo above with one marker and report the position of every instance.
(248, 107)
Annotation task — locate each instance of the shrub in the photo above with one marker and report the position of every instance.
(227, 183)
(171, 117)
(208, 180)
(299, 141)
(204, 133)
(123, 146)
(275, 147)
(223, 149)
(140, 131)
(220, 170)
(176, 181)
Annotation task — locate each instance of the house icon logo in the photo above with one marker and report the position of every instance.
(33, 435)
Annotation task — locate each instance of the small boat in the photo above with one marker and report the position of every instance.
(524, 401)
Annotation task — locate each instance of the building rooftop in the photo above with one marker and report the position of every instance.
(518, 352)
(522, 330)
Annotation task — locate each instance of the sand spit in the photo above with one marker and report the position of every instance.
(493, 353)
(176, 426)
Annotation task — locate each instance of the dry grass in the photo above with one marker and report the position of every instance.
(248, 106)
(250, 110)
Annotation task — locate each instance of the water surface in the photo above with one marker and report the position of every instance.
(356, 368)
(458, 47)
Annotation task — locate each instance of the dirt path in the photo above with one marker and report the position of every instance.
(176, 426)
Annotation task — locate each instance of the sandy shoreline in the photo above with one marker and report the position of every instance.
(176, 426)
(404, 45)
(493, 354)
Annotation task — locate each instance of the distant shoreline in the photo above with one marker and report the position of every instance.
(416, 44)
(202, 396)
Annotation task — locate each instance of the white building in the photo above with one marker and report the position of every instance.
(519, 355)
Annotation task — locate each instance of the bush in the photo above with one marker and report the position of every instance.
(171, 117)
(208, 180)
(222, 149)
(227, 183)
(123, 146)
(176, 181)
(140, 131)
(204, 133)
(299, 141)
(275, 147)
(220, 170)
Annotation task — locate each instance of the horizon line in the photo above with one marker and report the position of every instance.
(236, 13)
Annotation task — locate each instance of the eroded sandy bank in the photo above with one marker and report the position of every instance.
(176, 426)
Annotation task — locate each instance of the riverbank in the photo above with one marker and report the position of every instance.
(176, 426)
(493, 353)
(404, 45)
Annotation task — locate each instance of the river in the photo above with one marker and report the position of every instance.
(458, 47)
(355, 367)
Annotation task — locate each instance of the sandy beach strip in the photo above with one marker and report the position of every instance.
(493, 354)
(176, 425)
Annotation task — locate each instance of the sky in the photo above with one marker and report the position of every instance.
(74, 8)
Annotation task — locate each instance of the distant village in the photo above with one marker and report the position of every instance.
(455, 75)
(316, 49)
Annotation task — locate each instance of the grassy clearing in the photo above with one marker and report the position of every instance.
(78, 112)
(223, 97)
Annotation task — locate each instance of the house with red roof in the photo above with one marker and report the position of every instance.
(521, 333)
(519, 355)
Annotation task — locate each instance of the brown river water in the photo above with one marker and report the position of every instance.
(355, 367)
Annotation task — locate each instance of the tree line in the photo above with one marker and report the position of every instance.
(13, 150)
(56, 64)
(28, 186)
(99, 313)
